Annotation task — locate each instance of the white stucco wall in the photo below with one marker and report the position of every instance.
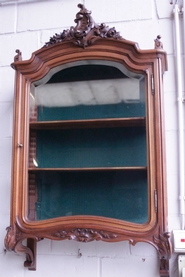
(27, 27)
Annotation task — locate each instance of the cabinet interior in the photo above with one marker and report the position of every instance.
(88, 125)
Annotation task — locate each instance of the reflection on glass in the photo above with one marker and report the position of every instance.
(99, 92)
(102, 91)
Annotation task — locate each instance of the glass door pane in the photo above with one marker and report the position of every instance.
(88, 147)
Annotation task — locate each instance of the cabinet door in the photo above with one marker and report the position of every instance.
(88, 150)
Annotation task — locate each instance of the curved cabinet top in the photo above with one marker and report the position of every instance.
(88, 40)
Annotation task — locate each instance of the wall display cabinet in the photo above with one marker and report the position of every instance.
(88, 146)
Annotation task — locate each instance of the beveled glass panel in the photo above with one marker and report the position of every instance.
(88, 147)
(89, 91)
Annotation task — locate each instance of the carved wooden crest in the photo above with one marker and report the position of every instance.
(85, 32)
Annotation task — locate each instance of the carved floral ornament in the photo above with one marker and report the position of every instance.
(86, 30)
(14, 237)
(85, 33)
(85, 235)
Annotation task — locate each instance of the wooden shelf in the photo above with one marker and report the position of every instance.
(92, 123)
(89, 168)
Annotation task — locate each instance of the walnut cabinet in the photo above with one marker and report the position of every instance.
(88, 144)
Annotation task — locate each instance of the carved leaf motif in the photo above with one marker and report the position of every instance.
(164, 251)
(84, 235)
(85, 32)
(164, 245)
(13, 242)
(10, 239)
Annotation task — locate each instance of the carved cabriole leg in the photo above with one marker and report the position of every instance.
(13, 242)
(164, 250)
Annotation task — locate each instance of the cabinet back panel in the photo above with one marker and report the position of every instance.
(101, 147)
(118, 194)
(92, 111)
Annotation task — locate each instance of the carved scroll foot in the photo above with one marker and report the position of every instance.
(30, 256)
(13, 242)
(32, 245)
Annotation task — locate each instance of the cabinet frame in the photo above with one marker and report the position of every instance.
(152, 63)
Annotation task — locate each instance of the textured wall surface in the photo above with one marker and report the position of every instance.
(27, 27)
